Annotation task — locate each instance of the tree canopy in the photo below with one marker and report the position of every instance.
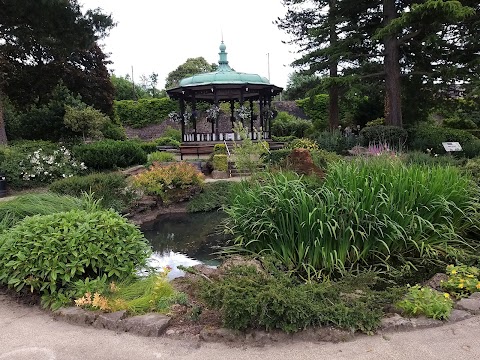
(189, 68)
(48, 41)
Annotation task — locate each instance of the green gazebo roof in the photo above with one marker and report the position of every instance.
(224, 75)
(223, 84)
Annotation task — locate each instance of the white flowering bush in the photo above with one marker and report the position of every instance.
(242, 114)
(44, 166)
(40, 167)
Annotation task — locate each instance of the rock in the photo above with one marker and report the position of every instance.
(470, 305)
(240, 261)
(109, 321)
(221, 334)
(76, 316)
(145, 325)
(134, 170)
(423, 322)
(395, 323)
(358, 150)
(459, 315)
(324, 334)
(475, 295)
(301, 162)
(436, 281)
(216, 174)
(202, 269)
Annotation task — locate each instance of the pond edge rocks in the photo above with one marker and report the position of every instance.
(156, 325)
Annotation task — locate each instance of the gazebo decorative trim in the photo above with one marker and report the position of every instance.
(225, 85)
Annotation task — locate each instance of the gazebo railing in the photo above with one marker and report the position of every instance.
(227, 136)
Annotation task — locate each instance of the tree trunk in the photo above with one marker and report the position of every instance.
(333, 110)
(3, 134)
(393, 100)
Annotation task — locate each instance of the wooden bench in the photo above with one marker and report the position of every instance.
(195, 150)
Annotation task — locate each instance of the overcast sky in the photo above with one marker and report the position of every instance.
(157, 36)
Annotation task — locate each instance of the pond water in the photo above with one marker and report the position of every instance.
(184, 239)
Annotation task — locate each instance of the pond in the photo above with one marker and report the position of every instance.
(184, 239)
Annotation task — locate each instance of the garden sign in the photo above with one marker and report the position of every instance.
(451, 146)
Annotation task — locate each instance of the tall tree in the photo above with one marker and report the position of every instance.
(419, 43)
(190, 67)
(43, 42)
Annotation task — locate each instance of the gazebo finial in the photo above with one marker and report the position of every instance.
(223, 62)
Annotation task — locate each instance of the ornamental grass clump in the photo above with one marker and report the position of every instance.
(377, 213)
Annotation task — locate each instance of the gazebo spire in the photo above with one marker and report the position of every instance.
(223, 62)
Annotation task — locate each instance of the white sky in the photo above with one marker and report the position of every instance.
(157, 36)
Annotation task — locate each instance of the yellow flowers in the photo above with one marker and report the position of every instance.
(478, 286)
(446, 295)
(453, 272)
(98, 301)
(461, 285)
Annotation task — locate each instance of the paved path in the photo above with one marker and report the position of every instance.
(28, 333)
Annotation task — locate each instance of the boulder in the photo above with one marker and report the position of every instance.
(145, 325)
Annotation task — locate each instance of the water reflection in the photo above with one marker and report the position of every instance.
(184, 239)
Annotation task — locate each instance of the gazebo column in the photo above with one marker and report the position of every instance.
(251, 118)
(232, 112)
(194, 116)
(182, 114)
(269, 134)
(262, 118)
(215, 129)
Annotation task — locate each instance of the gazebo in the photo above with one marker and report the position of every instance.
(229, 86)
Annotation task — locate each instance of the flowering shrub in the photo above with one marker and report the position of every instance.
(462, 280)
(242, 114)
(42, 166)
(303, 144)
(47, 167)
(174, 182)
(426, 301)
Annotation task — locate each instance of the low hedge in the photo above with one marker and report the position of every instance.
(381, 134)
(110, 154)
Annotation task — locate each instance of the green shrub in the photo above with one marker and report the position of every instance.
(167, 141)
(220, 162)
(173, 182)
(457, 122)
(113, 131)
(288, 125)
(46, 253)
(471, 149)
(172, 133)
(214, 196)
(15, 210)
(323, 158)
(285, 139)
(109, 188)
(249, 299)
(426, 301)
(366, 213)
(110, 154)
(473, 167)
(143, 112)
(220, 149)
(425, 136)
(160, 157)
(316, 108)
(393, 135)
(85, 121)
(277, 157)
(25, 168)
(334, 141)
(303, 144)
(147, 146)
(376, 122)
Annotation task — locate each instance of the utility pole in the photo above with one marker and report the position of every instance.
(268, 65)
(133, 87)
